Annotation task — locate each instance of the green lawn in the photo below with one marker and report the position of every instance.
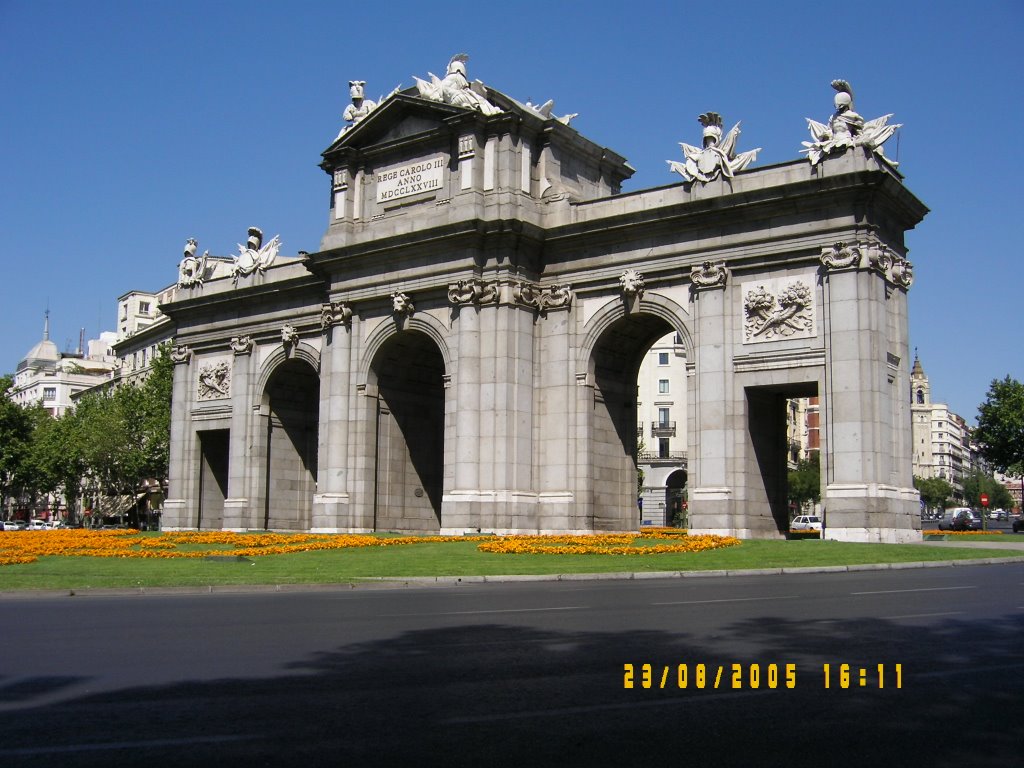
(456, 558)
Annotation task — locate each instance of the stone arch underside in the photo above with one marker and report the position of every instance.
(614, 365)
(290, 429)
(408, 369)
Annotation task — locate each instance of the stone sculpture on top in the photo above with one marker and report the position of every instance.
(254, 256)
(456, 89)
(718, 155)
(847, 129)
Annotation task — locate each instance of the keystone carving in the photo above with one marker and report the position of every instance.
(402, 305)
(632, 283)
(526, 294)
(289, 335)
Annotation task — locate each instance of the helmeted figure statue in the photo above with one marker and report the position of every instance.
(456, 89)
(360, 106)
(847, 129)
(718, 155)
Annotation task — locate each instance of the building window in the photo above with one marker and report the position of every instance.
(143, 307)
(663, 358)
(49, 393)
(662, 386)
(663, 418)
(663, 451)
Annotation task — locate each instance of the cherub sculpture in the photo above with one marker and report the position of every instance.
(718, 155)
(456, 89)
(847, 129)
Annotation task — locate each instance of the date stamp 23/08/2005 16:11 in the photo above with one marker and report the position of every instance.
(754, 676)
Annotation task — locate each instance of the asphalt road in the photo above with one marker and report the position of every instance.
(526, 674)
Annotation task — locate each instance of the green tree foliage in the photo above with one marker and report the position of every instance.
(1000, 429)
(15, 440)
(977, 483)
(805, 482)
(935, 491)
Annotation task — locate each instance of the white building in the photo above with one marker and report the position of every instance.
(661, 432)
(53, 378)
(941, 438)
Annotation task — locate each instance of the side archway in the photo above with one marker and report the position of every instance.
(287, 443)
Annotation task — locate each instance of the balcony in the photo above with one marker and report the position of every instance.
(662, 457)
(663, 428)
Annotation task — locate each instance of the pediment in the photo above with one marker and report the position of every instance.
(400, 117)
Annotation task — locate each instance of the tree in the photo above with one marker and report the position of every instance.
(977, 483)
(805, 481)
(15, 440)
(1000, 431)
(935, 491)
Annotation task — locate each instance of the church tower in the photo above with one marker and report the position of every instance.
(921, 416)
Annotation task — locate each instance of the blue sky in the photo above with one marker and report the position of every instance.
(129, 127)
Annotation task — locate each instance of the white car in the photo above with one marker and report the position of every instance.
(36, 525)
(805, 523)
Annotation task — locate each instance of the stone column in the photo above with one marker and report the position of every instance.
(331, 504)
(461, 506)
(861, 497)
(237, 513)
(711, 495)
(179, 507)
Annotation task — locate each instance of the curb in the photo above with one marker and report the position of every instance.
(388, 582)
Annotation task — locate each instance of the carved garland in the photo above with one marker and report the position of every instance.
(214, 381)
(779, 316)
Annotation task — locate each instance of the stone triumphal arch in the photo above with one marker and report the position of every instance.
(461, 354)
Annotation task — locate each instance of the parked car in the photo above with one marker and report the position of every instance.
(36, 525)
(959, 519)
(12, 525)
(997, 514)
(805, 523)
(1018, 525)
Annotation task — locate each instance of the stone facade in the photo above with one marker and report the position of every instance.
(462, 352)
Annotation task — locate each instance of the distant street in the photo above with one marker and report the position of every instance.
(526, 674)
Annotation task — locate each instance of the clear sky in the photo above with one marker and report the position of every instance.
(128, 127)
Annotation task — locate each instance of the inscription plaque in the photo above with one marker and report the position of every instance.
(413, 179)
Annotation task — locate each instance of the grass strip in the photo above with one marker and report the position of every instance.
(454, 558)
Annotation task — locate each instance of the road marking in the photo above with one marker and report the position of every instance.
(920, 615)
(498, 610)
(152, 743)
(898, 591)
(586, 709)
(731, 600)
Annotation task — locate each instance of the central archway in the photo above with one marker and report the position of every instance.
(614, 366)
(409, 453)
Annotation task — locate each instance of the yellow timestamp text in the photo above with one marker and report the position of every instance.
(700, 676)
(757, 676)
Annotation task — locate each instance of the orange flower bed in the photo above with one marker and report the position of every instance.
(960, 533)
(606, 544)
(26, 546)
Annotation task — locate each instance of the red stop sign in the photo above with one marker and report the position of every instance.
(984, 499)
